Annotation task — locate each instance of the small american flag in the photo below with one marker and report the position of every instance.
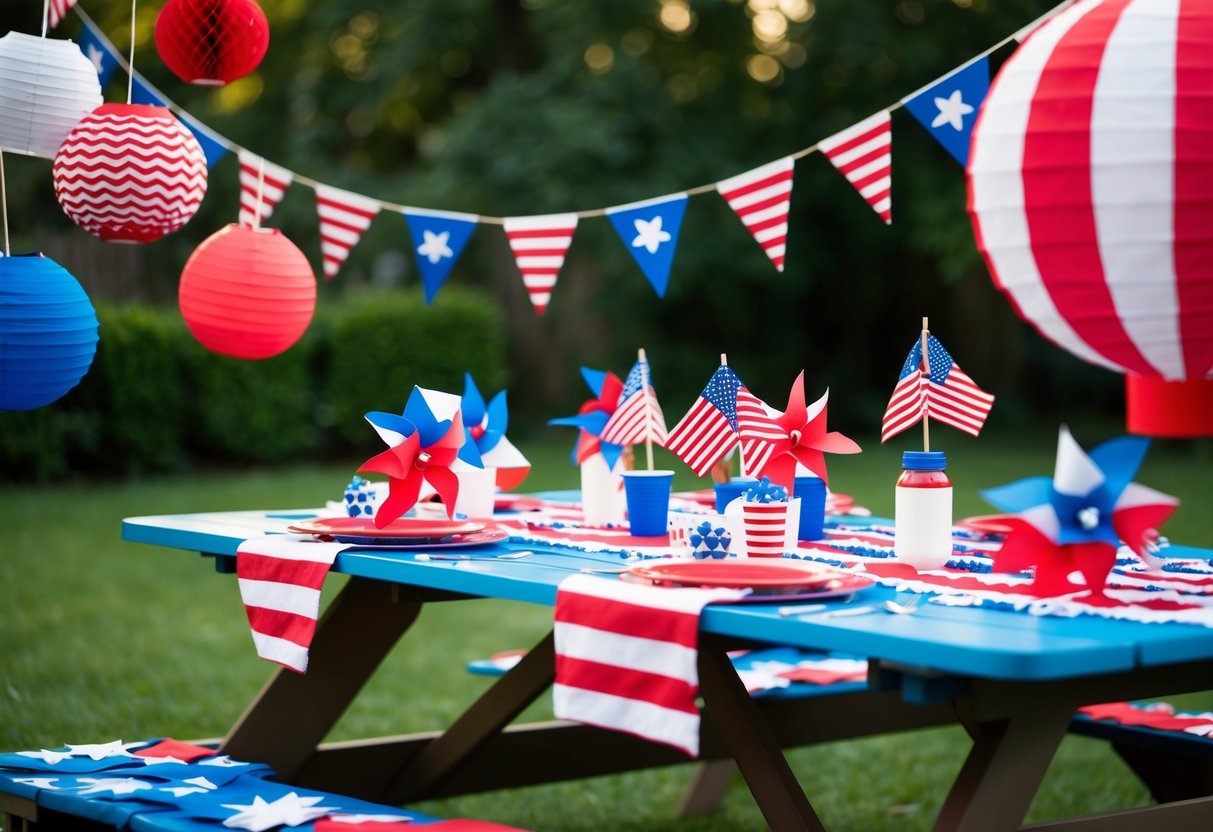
(638, 417)
(57, 10)
(709, 429)
(758, 430)
(947, 395)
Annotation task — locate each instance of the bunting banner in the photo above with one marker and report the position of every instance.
(212, 146)
(261, 182)
(98, 50)
(948, 107)
(761, 198)
(344, 218)
(539, 244)
(438, 240)
(650, 231)
(863, 153)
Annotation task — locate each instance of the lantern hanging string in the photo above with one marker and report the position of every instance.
(130, 74)
(926, 368)
(4, 204)
(46, 15)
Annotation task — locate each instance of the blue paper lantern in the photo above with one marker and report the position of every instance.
(48, 332)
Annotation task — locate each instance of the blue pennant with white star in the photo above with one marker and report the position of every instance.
(948, 108)
(438, 240)
(98, 50)
(650, 229)
(212, 148)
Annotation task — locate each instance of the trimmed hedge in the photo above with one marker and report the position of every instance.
(155, 400)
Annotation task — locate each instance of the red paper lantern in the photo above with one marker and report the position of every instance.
(247, 292)
(130, 173)
(1091, 196)
(211, 42)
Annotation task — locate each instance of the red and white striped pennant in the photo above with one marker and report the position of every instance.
(863, 153)
(56, 10)
(761, 198)
(259, 175)
(539, 244)
(344, 217)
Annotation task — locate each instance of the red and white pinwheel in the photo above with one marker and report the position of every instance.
(773, 443)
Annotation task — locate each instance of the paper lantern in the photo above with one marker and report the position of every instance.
(46, 86)
(1091, 195)
(130, 173)
(211, 42)
(48, 332)
(248, 293)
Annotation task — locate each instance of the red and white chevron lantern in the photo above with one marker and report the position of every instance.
(344, 218)
(761, 198)
(261, 183)
(1091, 197)
(540, 244)
(863, 153)
(130, 173)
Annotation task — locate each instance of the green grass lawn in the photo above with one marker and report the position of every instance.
(102, 639)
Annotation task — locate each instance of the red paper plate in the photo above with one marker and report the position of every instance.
(404, 528)
(740, 573)
(1002, 524)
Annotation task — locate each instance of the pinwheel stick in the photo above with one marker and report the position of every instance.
(648, 418)
(926, 368)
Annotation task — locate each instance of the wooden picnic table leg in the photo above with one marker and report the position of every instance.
(1004, 768)
(293, 712)
(751, 743)
(494, 710)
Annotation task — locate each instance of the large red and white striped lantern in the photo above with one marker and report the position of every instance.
(211, 42)
(247, 292)
(130, 173)
(1091, 196)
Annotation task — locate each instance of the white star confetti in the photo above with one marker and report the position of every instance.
(100, 751)
(197, 785)
(116, 785)
(48, 757)
(37, 782)
(289, 810)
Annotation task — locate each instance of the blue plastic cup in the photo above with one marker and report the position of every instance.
(648, 495)
(812, 494)
(727, 492)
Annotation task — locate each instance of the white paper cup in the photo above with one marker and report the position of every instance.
(602, 497)
(477, 491)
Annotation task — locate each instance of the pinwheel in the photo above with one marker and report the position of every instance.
(1076, 520)
(420, 448)
(486, 426)
(773, 443)
(592, 417)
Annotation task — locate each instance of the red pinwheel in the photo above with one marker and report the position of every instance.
(592, 417)
(773, 444)
(421, 448)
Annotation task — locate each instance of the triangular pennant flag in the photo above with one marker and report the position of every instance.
(438, 240)
(56, 10)
(258, 176)
(650, 231)
(539, 244)
(98, 50)
(213, 146)
(948, 107)
(761, 198)
(863, 153)
(344, 217)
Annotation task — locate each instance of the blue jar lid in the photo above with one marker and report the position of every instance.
(923, 460)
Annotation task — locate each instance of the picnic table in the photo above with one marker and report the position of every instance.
(1012, 680)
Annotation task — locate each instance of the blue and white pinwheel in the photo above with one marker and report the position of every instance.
(1077, 519)
(486, 426)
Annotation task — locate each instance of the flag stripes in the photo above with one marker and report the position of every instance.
(863, 153)
(56, 10)
(638, 417)
(761, 198)
(539, 244)
(259, 175)
(905, 407)
(344, 217)
(757, 430)
(959, 403)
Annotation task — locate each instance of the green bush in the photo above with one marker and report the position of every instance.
(383, 344)
(155, 400)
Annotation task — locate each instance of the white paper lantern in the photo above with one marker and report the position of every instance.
(46, 86)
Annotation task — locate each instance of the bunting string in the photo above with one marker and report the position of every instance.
(760, 197)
